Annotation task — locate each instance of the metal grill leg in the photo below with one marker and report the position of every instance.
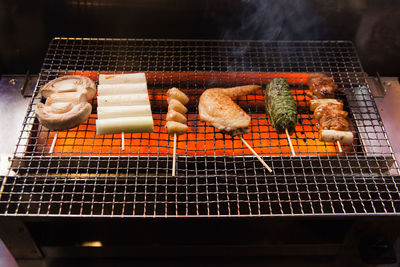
(19, 241)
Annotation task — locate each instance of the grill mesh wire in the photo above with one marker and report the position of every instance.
(212, 181)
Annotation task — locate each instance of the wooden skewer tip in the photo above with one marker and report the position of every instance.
(255, 154)
(290, 142)
(339, 146)
(123, 140)
(174, 156)
(53, 144)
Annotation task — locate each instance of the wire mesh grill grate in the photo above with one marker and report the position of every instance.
(89, 175)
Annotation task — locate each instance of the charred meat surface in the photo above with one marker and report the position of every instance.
(331, 117)
(321, 86)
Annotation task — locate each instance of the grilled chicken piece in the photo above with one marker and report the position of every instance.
(217, 107)
(331, 117)
(321, 86)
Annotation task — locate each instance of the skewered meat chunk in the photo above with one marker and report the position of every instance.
(332, 123)
(321, 86)
(217, 107)
(175, 117)
(314, 103)
(331, 117)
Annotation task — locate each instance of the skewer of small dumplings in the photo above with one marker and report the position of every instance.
(176, 119)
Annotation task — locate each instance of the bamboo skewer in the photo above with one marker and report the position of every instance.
(290, 143)
(255, 154)
(53, 144)
(123, 140)
(339, 146)
(174, 156)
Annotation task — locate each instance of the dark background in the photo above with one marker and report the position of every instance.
(26, 27)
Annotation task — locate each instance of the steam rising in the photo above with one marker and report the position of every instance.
(276, 20)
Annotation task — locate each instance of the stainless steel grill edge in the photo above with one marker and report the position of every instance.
(94, 182)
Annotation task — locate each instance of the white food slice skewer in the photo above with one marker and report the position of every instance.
(123, 111)
(142, 124)
(123, 140)
(255, 154)
(290, 142)
(121, 89)
(122, 78)
(53, 144)
(123, 100)
(174, 156)
(339, 146)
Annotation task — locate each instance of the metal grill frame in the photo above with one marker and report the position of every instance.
(363, 181)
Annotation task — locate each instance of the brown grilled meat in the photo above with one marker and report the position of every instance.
(217, 107)
(331, 117)
(321, 86)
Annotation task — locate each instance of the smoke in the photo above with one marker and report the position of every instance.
(275, 20)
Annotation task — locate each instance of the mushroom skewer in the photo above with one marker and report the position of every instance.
(176, 120)
(66, 104)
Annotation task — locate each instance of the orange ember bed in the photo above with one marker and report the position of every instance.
(202, 139)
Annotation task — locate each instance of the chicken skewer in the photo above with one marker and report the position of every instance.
(217, 107)
(333, 125)
(281, 108)
(176, 120)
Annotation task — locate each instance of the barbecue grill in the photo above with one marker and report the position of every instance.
(90, 176)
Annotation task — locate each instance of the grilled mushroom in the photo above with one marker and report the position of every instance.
(66, 103)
